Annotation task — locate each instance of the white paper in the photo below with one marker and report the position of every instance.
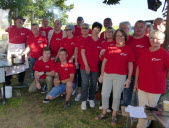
(136, 112)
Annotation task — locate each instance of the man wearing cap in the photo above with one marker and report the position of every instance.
(17, 39)
(77, 27)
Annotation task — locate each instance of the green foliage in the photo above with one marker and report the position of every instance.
(111, 2)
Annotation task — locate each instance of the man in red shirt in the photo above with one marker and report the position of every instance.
(63, 80)
(159, 24)
(17, 39)
(43, 72)
(35, 44)
(55, 37)
(77, 27)
(45, 28)
(107, 23)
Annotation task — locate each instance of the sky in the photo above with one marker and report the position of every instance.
(127, 10)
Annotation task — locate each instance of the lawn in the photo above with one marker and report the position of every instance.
(26, 110)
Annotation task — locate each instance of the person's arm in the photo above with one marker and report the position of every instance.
(70, 79)
(37, 77)
(56, 80)
(102, 70)
(73, 56)
(136, 79)
(130, 71)
(87, 68)
(76, 55)
(26, 51)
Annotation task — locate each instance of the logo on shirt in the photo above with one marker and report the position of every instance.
(123, 54)
(72, 43)
(46, 66)
(39, 41)
(66, 69)
(139, 46)
(111, 44)
(155, 59)
(22, 34)
(98, 47)
(58, 39)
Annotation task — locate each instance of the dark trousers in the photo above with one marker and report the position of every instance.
(78, 78)
(21, 77)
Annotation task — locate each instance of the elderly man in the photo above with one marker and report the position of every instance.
(17, 39)
(55, 37)
(45, 28)
(159, 24)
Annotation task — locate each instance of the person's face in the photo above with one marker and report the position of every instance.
(107, 23)
(95, 31)
(161, 27)
(45, 23)
(68, 31)
(156, 40)
(46, 54)
(62, 55)
(120, 37)
(139, 29)
(80, 22)
(57, 25)
(109, 34)
(125, 28)
(84, 30)
(19, 22)
(35, 29)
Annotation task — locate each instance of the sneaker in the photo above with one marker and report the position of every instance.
(78, 97)
(83, 105)
(67, 104)
(46, 101)
(92, 104)
(100, 107)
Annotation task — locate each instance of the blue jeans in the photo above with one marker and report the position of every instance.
(89, 82)
(56, 91)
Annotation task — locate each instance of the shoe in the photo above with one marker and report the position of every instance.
(114, 120)
(44, 89)
(92, 104)
(100, 107)
(83, 105)
(67, 104)
(78, 97)
(46, 101)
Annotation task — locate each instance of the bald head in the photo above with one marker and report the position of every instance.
(159, 24)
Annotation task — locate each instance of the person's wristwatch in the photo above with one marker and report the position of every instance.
(44, 73)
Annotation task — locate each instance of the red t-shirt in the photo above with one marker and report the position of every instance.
(130, 38)
(17, 36)
(64, 71)
(36, 45)
(69, 45)
(46, 30)
(102, 36)
(92, 51)
(55, 43)
(42, 66)
(80, 42)
(77, 31)
(105, 45)
(152, 71)
(118, 59)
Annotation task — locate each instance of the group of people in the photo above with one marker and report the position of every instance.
(82, 57)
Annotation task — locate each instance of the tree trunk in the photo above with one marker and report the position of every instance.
(32, 17)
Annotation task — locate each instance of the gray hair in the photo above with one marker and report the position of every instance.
(85, 24)
(70, 26)
(125, 23)
(59, 21)
(157, 32)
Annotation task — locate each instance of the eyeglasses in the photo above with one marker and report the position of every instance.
(67, 29)
(84, 28)
(120, 36)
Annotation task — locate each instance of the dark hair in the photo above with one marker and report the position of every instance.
(123, 33)
(97, 25)
(33, 24)
(141, 21)
(63, 50)
(108, 19)
(46, 49)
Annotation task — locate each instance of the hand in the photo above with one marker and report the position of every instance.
(136, 87)
(101, 79)
(56, 82)
(127, 83)
(38, 85)
(43, 33)
(40, 73)
(40, 58)
(70, 60)
(77, 65)
(87, 68)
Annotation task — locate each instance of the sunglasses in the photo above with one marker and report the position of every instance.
(67, 29)
(84, 28)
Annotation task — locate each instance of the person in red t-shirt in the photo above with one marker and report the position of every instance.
(90, 66)
(17, 39)
(80, 41)
(159, 24)
(44, 72)
(151, 73)
(68, 43)
(35, 44)
(107, 23)
(63, 81)
(55, 37)
(77, 31)
(44, 29)
(117, 64)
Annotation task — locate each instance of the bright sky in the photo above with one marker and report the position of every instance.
(127, 10)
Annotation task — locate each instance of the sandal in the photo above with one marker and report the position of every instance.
(114, 120)
(101, 117)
